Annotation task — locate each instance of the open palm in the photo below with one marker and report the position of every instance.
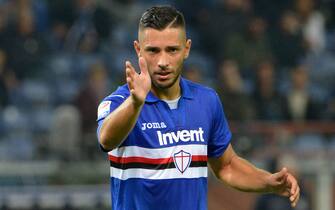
(139, 84)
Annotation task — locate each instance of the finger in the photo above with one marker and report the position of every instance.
(130, 83)
(129, 76)
(294, 184)
(281, 175)
(285, 193)
(290, 185)
(143, 65)
(284, 180)
(131, 68)
(295, 197)
(128, 72)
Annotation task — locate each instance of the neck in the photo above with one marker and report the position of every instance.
(170, 93)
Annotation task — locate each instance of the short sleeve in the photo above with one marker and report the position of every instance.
(220, 133)
(109, 104)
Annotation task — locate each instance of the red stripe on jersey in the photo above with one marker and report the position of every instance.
(125, 160)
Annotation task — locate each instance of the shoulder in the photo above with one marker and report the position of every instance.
(201, 91)
(111, 102)
(121, 92)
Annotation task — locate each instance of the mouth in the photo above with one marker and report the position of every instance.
(163, 75)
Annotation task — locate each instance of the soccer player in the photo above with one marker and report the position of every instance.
(161, 130)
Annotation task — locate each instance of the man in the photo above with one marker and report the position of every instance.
(161, 129)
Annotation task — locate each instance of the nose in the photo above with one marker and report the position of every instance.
(163, 61)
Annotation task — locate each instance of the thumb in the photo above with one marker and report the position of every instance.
(281, 175)
(143, 65)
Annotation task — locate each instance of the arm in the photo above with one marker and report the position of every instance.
(121, 121)
(242, 175)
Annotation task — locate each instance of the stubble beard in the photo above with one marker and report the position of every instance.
(163, 86)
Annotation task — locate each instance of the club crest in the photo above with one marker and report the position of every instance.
(182, 160)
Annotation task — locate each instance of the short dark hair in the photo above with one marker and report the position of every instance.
(161, 17)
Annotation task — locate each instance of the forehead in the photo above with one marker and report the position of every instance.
(167, 37)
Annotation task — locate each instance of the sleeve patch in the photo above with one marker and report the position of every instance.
(104, 109)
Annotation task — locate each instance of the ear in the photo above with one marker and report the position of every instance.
(137, 48)
(187, 48)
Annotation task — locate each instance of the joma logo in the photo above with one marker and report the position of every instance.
(154, 125)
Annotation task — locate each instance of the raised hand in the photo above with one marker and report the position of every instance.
(139, 84)
(283, 183)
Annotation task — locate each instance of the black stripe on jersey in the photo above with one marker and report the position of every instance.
(154, 166)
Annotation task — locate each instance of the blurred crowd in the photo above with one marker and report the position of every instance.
(268, 60)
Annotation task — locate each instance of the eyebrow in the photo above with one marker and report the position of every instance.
(168, 47)
(173, 46)
(151, 48)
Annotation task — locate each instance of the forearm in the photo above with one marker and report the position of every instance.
(246, 177)
(119, 123)
(242, 175)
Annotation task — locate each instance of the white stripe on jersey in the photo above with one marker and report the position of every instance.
(171, 173)
(135, 151)
(121, 96)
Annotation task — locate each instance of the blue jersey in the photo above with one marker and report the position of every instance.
(162, 164)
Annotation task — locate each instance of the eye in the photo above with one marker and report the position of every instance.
(173, 50)
(152, 50)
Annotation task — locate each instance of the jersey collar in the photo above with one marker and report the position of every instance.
(185, 92)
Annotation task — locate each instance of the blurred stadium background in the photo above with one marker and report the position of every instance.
(272, 62)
